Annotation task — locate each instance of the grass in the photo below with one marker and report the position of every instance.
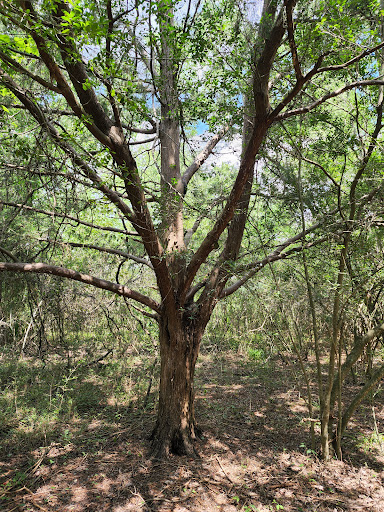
(58, 421)
(371, 443)
(38, 399)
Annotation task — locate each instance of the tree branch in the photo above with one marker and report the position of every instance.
(56, 74)
(338, 67)
(263, 64)
(202, 157)
(145, 131)
(291, 39)
(212, 237)
(119, 289)
(379, 373)
(190, 232)
(111, 137)
(355, 353)
(18, 67)
(138, 142)
(9, 254)
(108, 52)
(117, 252)
(274, 115)
(276, 255)
(329, 95)
(35, 110)
(68, 217)
(77, 72)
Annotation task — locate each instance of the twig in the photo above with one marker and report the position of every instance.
(213, 482)
(33, 469)
(145, 403)
(282, 485)
(35, 504)
(30, 492)
(99, 359)
(329, 499)
(311, 420)
(209, 483)
(222, 469)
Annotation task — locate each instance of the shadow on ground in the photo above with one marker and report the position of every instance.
(255, 455)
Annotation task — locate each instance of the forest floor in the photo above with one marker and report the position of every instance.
(255, 454)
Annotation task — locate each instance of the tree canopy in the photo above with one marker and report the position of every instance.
(111, 116)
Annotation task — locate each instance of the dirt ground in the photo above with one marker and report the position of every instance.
(255, 455)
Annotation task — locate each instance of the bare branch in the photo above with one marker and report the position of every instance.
(117, 252)
(16, 65)
(68, 217)
(329, 95)
(119, 289)
(115, 141)
(292, 43)
(278, 254)
(365, 53)
(148, 61)
(154, 316)
(202, 156)
(9, 254)
(190, 232)
(137, 142)
(316, 164)
(145, 131)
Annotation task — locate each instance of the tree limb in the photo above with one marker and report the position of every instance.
(276, 255)
(68, 217)
(357, 350)
(119, 289)
(379, 373)
(117, 252)
(292, 43)
(9, 254)
(365, 53)
(35, 110)
(329, 95)
(202, 156)
(16, 65)
(260, 79)
(56, 74)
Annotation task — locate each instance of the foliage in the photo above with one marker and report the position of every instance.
(106, 179)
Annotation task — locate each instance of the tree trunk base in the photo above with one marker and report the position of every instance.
(168, 441)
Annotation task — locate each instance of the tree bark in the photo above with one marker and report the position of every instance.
(175, 430)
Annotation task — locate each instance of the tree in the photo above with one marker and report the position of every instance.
(90, 76)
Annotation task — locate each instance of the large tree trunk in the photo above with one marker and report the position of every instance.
(175, 430)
